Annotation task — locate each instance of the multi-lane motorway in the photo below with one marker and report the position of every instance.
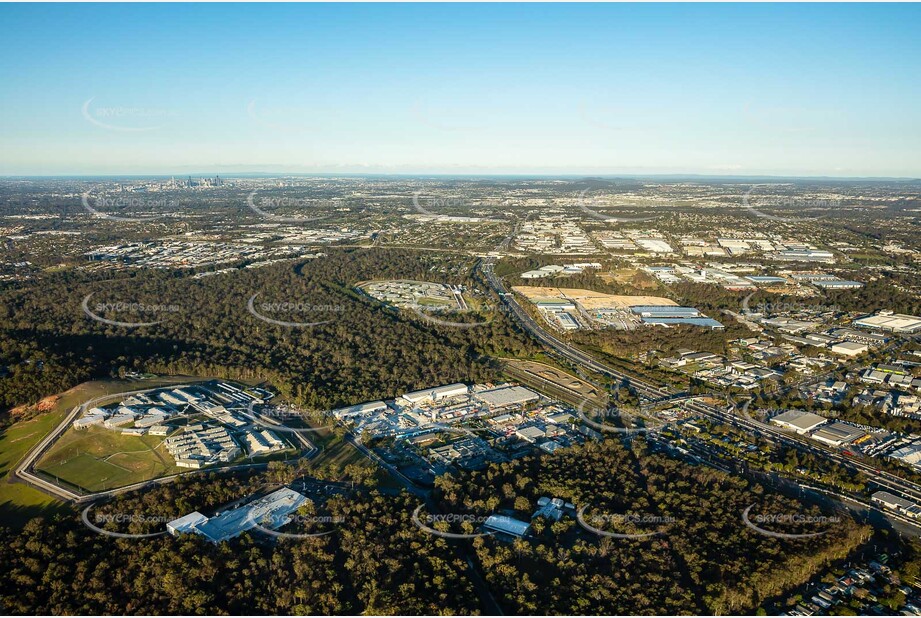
(880, 478)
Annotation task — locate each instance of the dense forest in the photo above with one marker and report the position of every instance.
(205, 329)
(377, 562)
(706, 562)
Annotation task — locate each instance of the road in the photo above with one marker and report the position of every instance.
(880, 478)
(24, 470)
(486, 597)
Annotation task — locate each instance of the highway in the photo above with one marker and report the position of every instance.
(883, 479)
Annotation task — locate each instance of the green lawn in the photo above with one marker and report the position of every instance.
(335, 454)
(96, 459)
(20, 502)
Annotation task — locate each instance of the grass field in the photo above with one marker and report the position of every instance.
(96, 459)
(20, 502)
(335, 454)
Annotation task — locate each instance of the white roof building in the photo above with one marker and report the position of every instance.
(799, 421)
(437, 393)
(86, 421)
(910, 454)
(186, 523)
(838, 434)
(271, 511)
(360, 409)
(506, 525)
(849, 348)
(506, 396)
(892, 501)
(891, 322)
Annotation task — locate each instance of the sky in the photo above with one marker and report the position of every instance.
(714, 89)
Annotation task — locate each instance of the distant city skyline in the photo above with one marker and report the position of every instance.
(599, 89)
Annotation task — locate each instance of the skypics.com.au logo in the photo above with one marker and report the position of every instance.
(425, 523)
(798, 519)
(277, 417)
(772, 308)
(439, 207)
(598, 521)
(591, 205)
(123, 518)
(327, 523)
(101, 206)
(285, 203)
(424, 315)
(292, 308)
(123, 308)
(599, 417)
(124, 118)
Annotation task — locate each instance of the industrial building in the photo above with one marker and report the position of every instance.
(838, 284)
(767, 280)
(910, 455)
(506, 396)
(186, 523)
(849, 348)
(891, 322)
(667, 315)
(361, 409)
(505, 525)
(804, 255)
(838, 434)
(271, 511)
(799, 421)
(436, 394)
(891, 501)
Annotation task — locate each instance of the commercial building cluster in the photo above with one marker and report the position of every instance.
(460, 426)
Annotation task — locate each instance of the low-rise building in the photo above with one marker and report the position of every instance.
(505, 525)
(437, 393)
(799, 421)
(838, 434)
(271, 511)
(888, 321)
(849, 348)
(506, 396)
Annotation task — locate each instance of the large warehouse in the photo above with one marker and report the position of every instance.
(891, 322)
(838, 434)
(667, 315)
(799, 421)
(506, 396)
(437, 393)
(271, 511)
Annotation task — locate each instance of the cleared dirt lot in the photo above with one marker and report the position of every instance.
(590, 299)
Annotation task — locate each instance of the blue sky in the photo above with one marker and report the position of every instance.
(813, 89)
